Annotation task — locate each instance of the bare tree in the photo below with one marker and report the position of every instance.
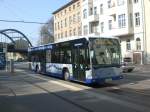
(47, 32)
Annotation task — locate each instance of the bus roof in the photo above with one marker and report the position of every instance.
(80, 37)
(50, 45)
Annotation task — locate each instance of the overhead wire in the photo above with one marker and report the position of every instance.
(17, 21)
(16, 15)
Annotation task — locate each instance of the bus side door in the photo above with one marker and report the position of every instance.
(79, 64)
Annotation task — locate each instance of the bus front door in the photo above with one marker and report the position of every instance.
(43, 62)
(79, 64)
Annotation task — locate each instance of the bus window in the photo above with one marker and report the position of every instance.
(55, 57)
(62, 57)
(82, 56)
(48, 56)
(68, 56)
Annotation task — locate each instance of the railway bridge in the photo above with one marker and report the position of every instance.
(15, 43)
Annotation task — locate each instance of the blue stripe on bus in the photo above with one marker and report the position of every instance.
(55, 74)
(103, 80)
(87, 81)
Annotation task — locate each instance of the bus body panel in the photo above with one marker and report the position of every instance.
(96, 54)
(108, 74)
(56, 69)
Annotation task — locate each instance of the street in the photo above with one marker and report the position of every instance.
(25, 91)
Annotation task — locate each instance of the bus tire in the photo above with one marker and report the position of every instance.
(66, 75)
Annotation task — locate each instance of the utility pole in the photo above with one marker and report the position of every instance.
(5, 51)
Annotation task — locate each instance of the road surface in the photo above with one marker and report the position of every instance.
(25, 91)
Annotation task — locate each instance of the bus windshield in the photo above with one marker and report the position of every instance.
(105, 52)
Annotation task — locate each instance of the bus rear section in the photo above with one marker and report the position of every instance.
(37, 58)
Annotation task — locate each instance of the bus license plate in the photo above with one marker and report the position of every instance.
(108, 80)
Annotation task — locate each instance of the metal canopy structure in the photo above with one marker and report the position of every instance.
(16, 38)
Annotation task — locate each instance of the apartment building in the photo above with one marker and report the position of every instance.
(146, 15)
(126, 19)
(67, 20)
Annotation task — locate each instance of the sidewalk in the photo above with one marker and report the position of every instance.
(142, 68)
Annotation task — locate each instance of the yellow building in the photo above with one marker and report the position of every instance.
(67, 20)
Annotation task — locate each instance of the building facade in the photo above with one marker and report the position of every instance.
(67, 20)
(120, 18)
(146, 15)
(126, 19)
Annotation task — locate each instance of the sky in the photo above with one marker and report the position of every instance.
(28, 10)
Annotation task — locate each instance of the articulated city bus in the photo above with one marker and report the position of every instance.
(2, 61)
(88, 60)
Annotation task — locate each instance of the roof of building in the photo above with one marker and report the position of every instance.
(64, 6)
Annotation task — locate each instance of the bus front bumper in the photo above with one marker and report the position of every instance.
(103, 80)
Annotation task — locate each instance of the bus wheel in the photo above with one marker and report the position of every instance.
(66, 75)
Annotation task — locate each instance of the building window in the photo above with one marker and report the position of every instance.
(78, 4)
(85, 29)
(70, 32)
(136, 1)
(74, 31)
(109, 3)
(66, 34)
(61, 35)
(74, 18)
(102, 27)
(101, 9)
(69, 8)
(55, 26)
(110, 24)
(122, 21)
(58, 26)
(137, 19)
(138, 44)
(94, 27)
(61, 24)
(78, 16)
(95, 10)
(79, 31)
(120, 2)
(130, 1)
(74, 6)
(65, 22)
(70, 20)
(91, 11)
(128, 44)
(84, 13)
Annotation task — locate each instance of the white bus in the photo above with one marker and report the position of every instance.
(88, 60)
